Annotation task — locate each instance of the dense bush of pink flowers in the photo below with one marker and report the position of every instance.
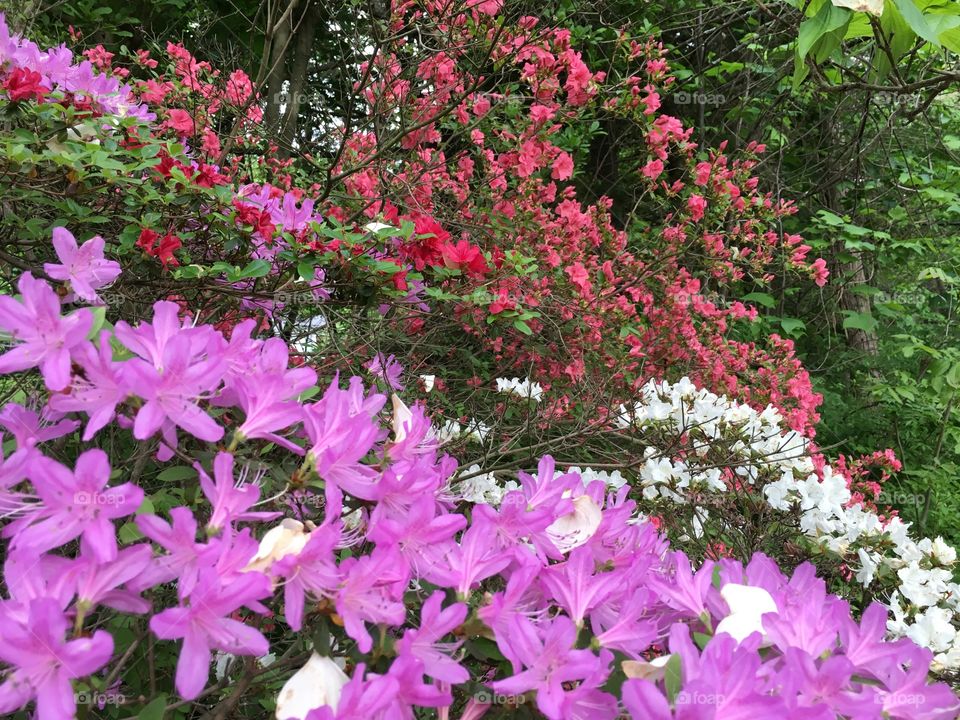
(192, 510)
(588, 610)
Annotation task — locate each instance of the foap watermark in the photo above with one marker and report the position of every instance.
(111, 299)
(100, 699)
(492, 698)
(902, 297)
(296, 298)
(685, 697)
(900, 699)
(887, 497)
(98, 498)
(698, 98)
(285, 97)
(684, 299)
(892, 99)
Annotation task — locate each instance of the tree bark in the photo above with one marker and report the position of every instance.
(300, 69)
(851, 274)
(277, 74)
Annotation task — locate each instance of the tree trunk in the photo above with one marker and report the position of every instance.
(277, 73)
(302, 55)
(852, 274)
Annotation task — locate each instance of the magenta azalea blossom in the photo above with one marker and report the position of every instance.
(186, 557)
(73, 504)
(342, 428)
(312, 570)
(43, 663)
(84, 268)
(387, 369)
(99, 583)
(173, 390)
(230, 500)
(28, 428)
(203, 624)
(424, 644)
(372, 591)
(360, 699)
(100, 389)
(551, 662)
(149, 340)
(44, 338)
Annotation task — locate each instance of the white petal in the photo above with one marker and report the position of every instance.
(575, 529)
(401, 416)
(316, 684)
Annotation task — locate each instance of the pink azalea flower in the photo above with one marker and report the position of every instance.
(43, 663)
(230, 500)
(372, 591)
(100, 389)
(312, 571)
(203, 624)
(551, 662)
(186, 557)
(44, 338)
(73, 504)
(173, 390)
(83, 268)
(424, 644)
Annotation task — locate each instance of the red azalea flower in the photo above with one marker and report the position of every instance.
(464, 256)
(167, 247)
(166, 164)
(146, 240)
(181, 121)
(23, 84)
(163, 251)
(208, 177)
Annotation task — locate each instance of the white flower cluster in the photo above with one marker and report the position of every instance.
(760, 452)
(475, 430)
(485, 489)
(524, 388)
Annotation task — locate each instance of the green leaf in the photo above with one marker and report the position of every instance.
(155, 709)
(761, 299)
(701, 639)
(829, 18)
(830, 218)
(792, 325)
(306, 269)
(673, 676)
(522, 327)
(859, 321)
(129, 533)
(99, 316)
(256, 269)
(917, 22)
(177, 473)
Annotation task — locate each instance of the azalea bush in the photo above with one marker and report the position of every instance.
(562, 597)
(406, 429)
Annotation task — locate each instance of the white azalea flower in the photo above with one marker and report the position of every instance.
(401, 418)
(868, 567)
(943, 553)
(576, 528)
(287, 538)
(933, 630)
(316, 684)
(524, 388)
(873, 7)
(747, 606)
(653, 670)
